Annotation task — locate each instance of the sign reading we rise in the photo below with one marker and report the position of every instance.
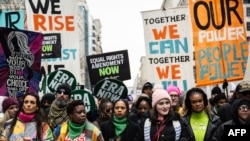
(169, 48)
(221, 48)
(49, 16)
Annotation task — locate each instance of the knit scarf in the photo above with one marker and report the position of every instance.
(25, 118)
(120, 125)
(75, 130)
(57, 115)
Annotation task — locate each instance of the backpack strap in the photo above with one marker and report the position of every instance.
(147, 126)
(177, 128)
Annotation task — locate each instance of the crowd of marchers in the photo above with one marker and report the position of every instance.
(157, 114)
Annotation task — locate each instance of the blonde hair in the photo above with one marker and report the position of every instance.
(5, 118)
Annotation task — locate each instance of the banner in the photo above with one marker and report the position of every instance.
(169, 48)
(221, 48)
(20, 61)
(12, 19)
(109, 65)
(62, 45)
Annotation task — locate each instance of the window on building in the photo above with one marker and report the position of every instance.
(248, 11)
(248, 26)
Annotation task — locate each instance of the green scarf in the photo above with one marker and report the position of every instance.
(75, 130)
(120, 125)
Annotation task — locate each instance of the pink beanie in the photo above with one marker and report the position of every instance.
(7, 102)
(158, 95)
(174, 88)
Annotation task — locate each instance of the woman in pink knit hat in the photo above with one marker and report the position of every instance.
(175, 93)
(163, 123)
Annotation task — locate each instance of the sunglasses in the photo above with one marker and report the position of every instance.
(62, 91)
(108, 110)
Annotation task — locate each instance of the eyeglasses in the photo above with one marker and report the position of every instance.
(174, 96)
(108, 110)
(243, 108)
(62, 91)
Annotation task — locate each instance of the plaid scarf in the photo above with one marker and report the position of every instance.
(57, 115)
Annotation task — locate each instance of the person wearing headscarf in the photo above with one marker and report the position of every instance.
(163, 123)
(240, 114)
(119, 128)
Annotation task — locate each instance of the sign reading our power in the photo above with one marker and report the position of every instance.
(111, 89)
(109, 65)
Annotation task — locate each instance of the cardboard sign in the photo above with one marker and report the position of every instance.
(111, 89)
(109, 65)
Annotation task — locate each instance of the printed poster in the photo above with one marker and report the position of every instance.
(169, 47)
(20, 61)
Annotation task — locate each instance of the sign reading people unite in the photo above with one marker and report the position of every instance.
(219, 35)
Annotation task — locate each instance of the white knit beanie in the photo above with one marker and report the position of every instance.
(158, 95)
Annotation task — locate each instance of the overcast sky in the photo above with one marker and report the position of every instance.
(122, 27)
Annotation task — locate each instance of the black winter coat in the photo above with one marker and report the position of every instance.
(213, 124)
(130, 133)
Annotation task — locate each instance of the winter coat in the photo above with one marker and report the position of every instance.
(213, 124)
(129, 134)
(92, 133)
(169, 132)
(22, 129)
